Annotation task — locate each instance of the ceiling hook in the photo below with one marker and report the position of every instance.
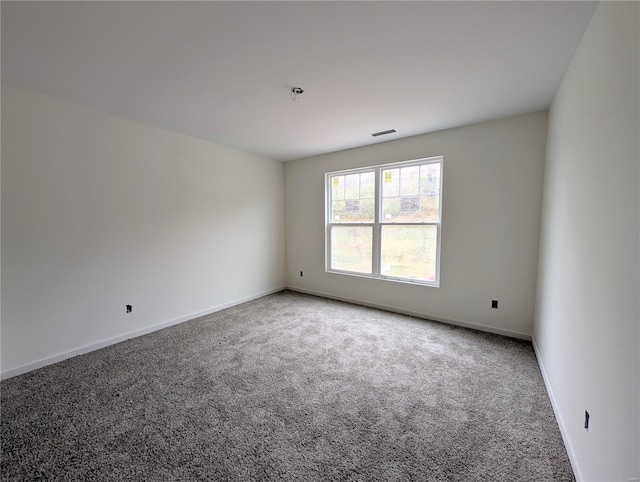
(295, 93)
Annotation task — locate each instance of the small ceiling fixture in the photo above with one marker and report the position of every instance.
(382, 133)
(295, 94)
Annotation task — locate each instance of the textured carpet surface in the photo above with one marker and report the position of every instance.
(288, 387)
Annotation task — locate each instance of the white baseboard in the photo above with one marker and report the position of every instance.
(395, 309)
(126, 336)
(556, 411)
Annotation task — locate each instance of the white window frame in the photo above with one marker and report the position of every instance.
(377, 223)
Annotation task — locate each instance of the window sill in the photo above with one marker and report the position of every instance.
(429, 284)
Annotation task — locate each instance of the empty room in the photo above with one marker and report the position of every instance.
(319, 241)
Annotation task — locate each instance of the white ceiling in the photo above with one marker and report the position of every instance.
(223, 71)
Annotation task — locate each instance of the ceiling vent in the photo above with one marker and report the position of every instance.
(382, 133)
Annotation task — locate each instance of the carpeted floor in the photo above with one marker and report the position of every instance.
(288, 387)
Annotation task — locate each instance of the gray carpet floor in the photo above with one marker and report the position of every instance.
(288, 387)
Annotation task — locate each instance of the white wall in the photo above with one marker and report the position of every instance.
(587, 313)
(99, 212)
(492, 197)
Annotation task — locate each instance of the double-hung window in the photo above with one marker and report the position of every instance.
(385, 221)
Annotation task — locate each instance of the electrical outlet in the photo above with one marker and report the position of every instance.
(129, 308)
(494, 304)
(586, 420)
(301, 274)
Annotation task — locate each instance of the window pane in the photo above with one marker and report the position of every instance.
(410, 181)
(337, 188)
(409, 252)
(390, 182)
(352, 186)
(367, 185)
(352, 248)
(353, 198)
(411, 194)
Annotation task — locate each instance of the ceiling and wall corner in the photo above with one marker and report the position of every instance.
(223, 71)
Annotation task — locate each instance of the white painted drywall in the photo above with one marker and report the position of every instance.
(587, 313)
(492, 196)
(99, 211)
